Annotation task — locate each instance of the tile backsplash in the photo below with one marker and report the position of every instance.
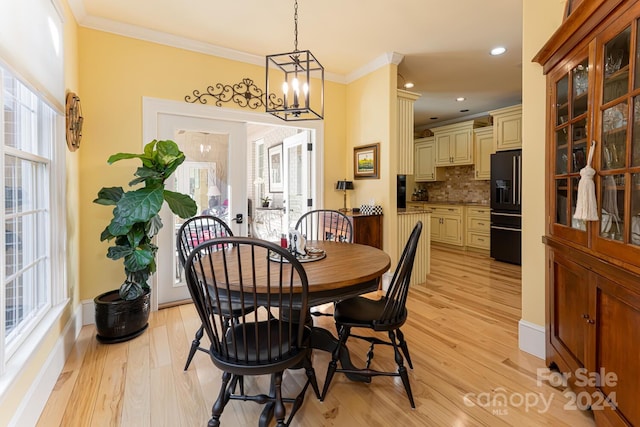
(458, 186)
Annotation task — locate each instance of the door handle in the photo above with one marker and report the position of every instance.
(238, 218)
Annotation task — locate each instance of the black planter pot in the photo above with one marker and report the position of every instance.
(120, 320)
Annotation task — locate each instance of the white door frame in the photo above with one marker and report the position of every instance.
(152, 108)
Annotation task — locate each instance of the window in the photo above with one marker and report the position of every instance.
(28, 130)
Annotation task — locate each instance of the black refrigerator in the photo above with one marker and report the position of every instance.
(506, 206)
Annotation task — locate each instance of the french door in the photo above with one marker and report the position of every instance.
(214, 175)
(208, 136)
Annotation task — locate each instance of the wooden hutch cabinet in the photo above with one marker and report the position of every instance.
(592, 63)
(367, 229)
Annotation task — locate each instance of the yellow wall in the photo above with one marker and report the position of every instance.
(371, 118)
(116, 73)
(540, 19)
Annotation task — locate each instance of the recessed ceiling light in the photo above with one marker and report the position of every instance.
(498, 50)
(433, 118)
(464, 111)
(408, 85)
(460, 98)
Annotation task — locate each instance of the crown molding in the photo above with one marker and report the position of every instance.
(380, 61)
(134, 31)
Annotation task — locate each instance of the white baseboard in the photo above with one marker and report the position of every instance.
(531, 338)
(28, 411)
(88, 312)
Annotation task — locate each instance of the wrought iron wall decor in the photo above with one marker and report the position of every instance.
(245, 94)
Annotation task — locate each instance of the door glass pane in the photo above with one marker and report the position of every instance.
(576, 223)
(614, 136)
(637, 62)
(578, 145)
(612, 211)
(562, 99)
(296, 194)
(635, 209)
(580, 88)
(561, 202)
(635, 143)
(616, 66)
(562, 148)
(203, 176)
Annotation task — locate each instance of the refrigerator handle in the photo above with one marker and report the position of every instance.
(514, 183)
(519, 180)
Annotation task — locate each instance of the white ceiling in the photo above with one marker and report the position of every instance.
(445, 43)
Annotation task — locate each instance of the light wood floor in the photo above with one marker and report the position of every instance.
(463, 338)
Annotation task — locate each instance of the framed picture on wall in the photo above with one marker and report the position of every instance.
(276, 184)
(366, 161)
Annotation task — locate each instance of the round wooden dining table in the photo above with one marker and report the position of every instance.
(347, 270)
(343, 271)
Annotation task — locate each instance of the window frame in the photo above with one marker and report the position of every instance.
(16, 354)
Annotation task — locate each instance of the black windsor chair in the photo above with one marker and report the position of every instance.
(194, 231)
(254, 273)
(386, 314)
(325, 224)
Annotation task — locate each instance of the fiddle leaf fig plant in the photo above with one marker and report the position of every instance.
(136, 218)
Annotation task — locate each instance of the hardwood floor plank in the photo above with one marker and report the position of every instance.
(108, 408)
(54, 410)
(80, 407)
(137, 391)
(462, 333)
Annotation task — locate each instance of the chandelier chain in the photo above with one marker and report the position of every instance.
(295, 31)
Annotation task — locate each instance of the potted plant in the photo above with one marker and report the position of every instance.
(265, 201)
(123, 314)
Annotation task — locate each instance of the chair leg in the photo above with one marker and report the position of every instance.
(311, 375)
(404, 347)
(278, 409)
(221, 401)
(343, 334)
(402, 371)
(195, 344)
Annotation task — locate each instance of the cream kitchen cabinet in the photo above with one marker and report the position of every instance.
(478, 231)
(507, 127)
(483, 147)
(415, 206)
(425, 161)
(446, 224)
(454, 143)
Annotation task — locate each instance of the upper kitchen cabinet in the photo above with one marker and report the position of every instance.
(425, 169)
(483, 148)
(405, 131)
(454, 143)
(507, 128)
(592, 65)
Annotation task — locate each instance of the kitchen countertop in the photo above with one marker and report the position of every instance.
(450, 203)
(447, 203)
(413, 211)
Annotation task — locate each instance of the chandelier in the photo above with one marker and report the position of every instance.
(297, 80)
